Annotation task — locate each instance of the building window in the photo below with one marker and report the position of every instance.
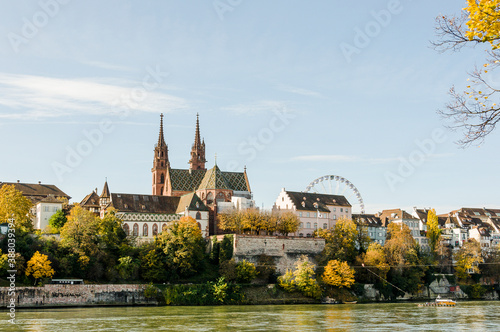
(308, 225)
(126, 229)
(46, 209)
(210, 198)
(55, 209)
(334, 209)
(135, 230)
(341, 210)
(155, 229)
(300, 214)
(301, 225)
(334, 217)
(308, 214)
(145, 230)
(325, 225)
(198, 215)
(315, 225)
(314, 214)
(346, 211)
(301, 234)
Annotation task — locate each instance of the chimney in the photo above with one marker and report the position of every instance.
(18, 181)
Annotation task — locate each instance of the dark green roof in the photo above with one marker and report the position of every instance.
(214, 178)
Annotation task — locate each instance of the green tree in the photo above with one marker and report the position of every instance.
(81, 232)
(340, 243)
(433, 231)
(127, 268)
(183, 246)
(14, 205)
(301, 279)
(476, 110)
(39, 267)
(57, 221)
(111, 232)
(245, 272)
(468, 258)
(338, 274)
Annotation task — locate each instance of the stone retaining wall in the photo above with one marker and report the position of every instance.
(76, 295)
(284, 250)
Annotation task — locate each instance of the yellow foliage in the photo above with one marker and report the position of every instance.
(484, 21)
(39, 266)
(338, 274)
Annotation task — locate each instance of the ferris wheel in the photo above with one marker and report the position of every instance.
(338, 185)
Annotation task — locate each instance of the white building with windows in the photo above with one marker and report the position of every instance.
(314, 210)
(45, 209)
(417, 227)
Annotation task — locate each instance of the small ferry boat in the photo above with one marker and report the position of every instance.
(439, 302)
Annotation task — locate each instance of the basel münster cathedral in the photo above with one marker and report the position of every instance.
(214, 187)
(195, 192)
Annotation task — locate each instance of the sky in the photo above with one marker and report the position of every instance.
(293, 90)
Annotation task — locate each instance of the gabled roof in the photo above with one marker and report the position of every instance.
(193, 203)
(144, 203)
(214, 179)
(185, 179)
(190, 180)
(423, 213)
(36, 191)
(369, 220)
(91, 200)
(312, 201)
(50, 199)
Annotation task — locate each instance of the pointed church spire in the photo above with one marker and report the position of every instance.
(161, 139)
(197, 160)
(105, 190)
(160, 162)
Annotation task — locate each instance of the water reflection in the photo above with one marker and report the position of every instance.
(477, 316)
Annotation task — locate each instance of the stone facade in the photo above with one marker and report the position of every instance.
(284, 250)
(76, 295)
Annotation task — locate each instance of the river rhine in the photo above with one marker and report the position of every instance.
(466, 316)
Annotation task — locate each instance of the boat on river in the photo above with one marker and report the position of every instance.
(439, 302)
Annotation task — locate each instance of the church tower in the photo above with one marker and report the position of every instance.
(160, 162)
(197, 160)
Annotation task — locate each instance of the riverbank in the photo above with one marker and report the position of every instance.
(89, 295)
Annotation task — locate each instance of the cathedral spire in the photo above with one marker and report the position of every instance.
(160, 162)
(197, 160)
(161, 139)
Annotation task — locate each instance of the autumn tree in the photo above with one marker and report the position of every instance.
(338, 274)
(287, 223)
(81, 232)
(14, 205)
(184, 247)
(39, 267)
(433, 231)
(468, 258)
(375, 259)
(301, 279)
(400, 244)
(475, 111)
(340, 242)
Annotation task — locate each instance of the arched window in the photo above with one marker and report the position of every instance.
(155, 229)
(325, 225)
(135, 231)
(210, 198)
(162, 178)
(301, 234)
(145, 230)
(308, 225)
(220, 197)
(198, 215)
(126, 229)
(229, 196)
(199, 225)
(164, 227)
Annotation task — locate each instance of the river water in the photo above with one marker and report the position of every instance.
(466, 316)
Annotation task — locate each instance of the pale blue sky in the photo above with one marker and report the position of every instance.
(67, 68)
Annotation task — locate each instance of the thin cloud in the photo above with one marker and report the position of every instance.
(256, 107)
(352, 158)
(109, 66)
(299, 91)
(27, 97)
